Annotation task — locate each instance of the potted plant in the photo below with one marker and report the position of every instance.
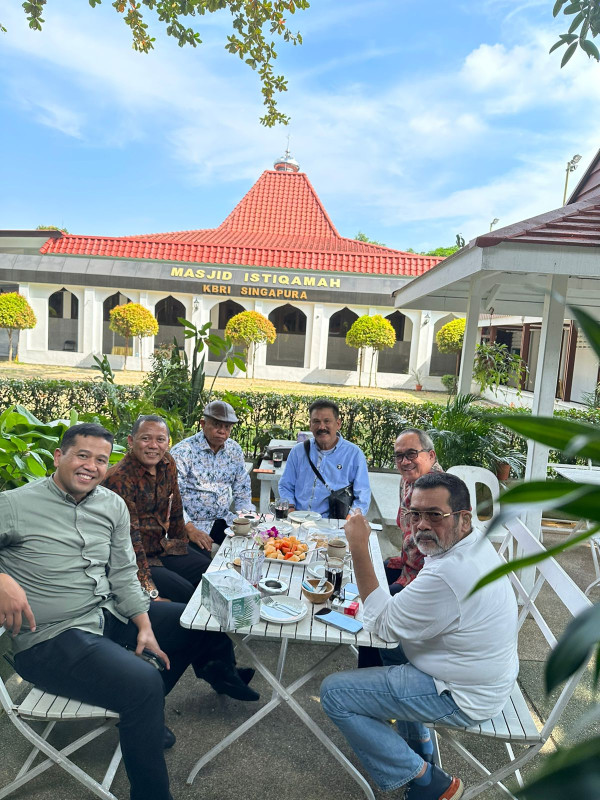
(418, 376)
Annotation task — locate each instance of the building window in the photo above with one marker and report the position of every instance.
(288, 349)
(63, 321)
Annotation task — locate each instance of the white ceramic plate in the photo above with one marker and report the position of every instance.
(284, 528)
(270, 614)
(303, 516)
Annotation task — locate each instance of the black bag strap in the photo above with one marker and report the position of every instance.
(314, 469)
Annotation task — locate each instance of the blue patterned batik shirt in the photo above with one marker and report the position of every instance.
(209, 481)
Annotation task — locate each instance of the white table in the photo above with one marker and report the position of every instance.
(308, 630)
(270, 481)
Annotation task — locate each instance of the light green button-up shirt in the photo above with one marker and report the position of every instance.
(72, 559)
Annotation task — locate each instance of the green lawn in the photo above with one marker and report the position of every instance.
(233, 384)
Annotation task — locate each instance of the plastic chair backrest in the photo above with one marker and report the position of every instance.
(479, 475)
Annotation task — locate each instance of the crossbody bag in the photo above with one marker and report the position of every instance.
(340, 500)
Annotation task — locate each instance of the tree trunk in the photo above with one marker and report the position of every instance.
(359, 364)
(140, 346)
(126, 351)
(10, 333)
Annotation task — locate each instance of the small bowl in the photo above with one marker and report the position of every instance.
(318, 597)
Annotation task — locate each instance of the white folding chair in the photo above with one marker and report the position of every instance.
(595, 546)
(43, 706)
(516, 724)
(473, 476)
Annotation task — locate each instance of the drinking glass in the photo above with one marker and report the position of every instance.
(277, 459)
(252, 565)
(280, 508)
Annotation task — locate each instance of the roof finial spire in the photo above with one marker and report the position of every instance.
(286, 163)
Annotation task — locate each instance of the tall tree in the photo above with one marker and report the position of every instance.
(251, 18)
(449, 338)
(132, 319)
(16, 315)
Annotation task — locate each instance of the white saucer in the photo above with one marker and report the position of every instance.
(282, 526)
(274, 615)
(304, 516)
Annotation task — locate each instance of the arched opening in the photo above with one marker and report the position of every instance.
(339, 355)
(113, 343)
(288, 349)
(63, 321)
(396, 359)
(219, 317)
(441, 364)
(167, 311)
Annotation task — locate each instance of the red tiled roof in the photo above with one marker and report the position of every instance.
(280, 223)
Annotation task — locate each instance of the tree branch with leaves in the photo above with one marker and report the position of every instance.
(252, 21)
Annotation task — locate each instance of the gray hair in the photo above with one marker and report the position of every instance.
(424, 439)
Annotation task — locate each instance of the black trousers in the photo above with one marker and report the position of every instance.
(371, 656)
(100, 671)
(184, 572)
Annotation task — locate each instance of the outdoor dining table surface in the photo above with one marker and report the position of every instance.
(308, 629)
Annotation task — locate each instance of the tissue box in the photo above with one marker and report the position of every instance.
(231, 599)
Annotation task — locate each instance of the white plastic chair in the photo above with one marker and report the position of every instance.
(43, 706)
(479, 475)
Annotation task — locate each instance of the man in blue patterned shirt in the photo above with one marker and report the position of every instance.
(211, 471)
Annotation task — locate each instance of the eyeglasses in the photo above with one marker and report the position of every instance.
(432, 517)
(410, 454)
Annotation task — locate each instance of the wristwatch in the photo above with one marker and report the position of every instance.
(153, 594)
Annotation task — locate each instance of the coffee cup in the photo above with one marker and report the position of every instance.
(236, 564)
(336, 547)
(241, 526)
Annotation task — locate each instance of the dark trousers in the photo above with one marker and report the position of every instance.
(98, 670)
(371, 656)
(183, 573)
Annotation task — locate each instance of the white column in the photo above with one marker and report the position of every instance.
(147, 343)
(416, 318)
(547, 370)
(91, 323)
(470, 339)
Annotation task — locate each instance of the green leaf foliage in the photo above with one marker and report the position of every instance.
(571, 772)
(250, 327)
(375, 332)
(15, 312)
(449, 338)
(584, 26)
(254, 22)
(574, 648)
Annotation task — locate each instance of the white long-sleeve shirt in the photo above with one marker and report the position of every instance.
(467, 644)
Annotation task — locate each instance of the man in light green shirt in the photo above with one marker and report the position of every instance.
(69, 594)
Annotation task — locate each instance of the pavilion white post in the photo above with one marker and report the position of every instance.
(546, 374)
(470, 338)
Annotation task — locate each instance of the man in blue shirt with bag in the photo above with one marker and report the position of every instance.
(328, 474)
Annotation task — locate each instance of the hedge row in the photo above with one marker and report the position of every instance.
(372, 424)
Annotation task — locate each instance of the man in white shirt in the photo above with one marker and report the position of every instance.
(457, 659)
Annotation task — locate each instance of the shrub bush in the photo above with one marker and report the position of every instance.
(372, 424)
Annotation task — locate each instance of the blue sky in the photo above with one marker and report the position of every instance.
(413, 121)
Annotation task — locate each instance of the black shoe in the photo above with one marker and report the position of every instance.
(246, 674)
(168, 738)
(225, 679)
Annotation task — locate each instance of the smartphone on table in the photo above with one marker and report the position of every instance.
(337, 620)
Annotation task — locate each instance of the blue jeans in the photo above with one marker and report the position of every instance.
(360, 702)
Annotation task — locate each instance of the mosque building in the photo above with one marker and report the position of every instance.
(278, 253)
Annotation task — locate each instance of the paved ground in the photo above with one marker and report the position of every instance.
(279, 758)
